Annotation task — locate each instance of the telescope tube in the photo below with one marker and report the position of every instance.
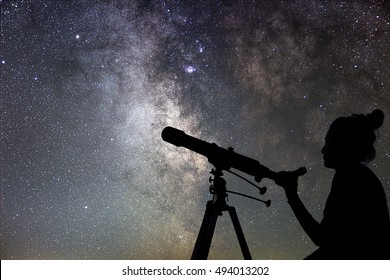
(221, 158)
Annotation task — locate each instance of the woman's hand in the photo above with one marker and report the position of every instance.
(288, 180)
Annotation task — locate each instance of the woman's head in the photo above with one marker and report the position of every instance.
(351, 139)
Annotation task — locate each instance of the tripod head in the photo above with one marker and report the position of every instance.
(219, 191)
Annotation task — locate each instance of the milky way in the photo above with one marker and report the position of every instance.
(88, 86)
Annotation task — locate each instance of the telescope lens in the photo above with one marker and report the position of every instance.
(173, 136)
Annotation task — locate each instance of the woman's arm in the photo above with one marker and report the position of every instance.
(289, 183)
(306, 220)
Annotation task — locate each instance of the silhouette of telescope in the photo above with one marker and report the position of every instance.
(221, 158)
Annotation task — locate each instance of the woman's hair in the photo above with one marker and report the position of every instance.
(356, 134)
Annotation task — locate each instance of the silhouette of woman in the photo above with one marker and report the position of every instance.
(355, 221)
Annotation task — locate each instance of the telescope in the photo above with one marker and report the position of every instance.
(222, 158)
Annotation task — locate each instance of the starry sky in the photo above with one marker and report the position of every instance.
(87, 87)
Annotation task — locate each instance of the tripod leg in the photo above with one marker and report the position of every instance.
(240, 234)
(203, 242)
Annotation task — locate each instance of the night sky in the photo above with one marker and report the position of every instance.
(87, 87)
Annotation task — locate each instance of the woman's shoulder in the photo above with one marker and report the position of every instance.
(355, 170)
(357, 175)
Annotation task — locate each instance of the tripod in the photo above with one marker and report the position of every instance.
(214, 208)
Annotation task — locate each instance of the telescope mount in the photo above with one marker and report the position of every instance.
(214, 208)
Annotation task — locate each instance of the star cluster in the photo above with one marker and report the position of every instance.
(87, 87)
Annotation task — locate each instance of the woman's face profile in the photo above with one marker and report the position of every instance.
(334, 155)
(328, 153)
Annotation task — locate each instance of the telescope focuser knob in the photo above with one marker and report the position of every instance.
(263, 190)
